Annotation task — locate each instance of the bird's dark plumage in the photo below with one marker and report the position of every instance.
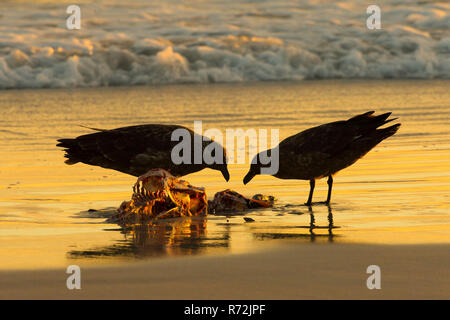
(135, 150)
(326, 149)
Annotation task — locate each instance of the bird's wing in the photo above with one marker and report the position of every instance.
(131, 150)
(326, 139)
(332, 138)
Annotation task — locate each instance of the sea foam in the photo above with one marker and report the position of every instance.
(156, 42)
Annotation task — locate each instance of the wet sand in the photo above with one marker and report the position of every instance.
(394, 203)
(291, 271)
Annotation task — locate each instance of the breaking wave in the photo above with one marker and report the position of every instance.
(155, 42)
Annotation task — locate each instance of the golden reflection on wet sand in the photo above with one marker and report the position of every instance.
(397, 194)
(189, 236)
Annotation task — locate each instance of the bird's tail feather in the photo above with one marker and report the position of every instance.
(387, 132)
(362, 116)
(95, 129)
(66, 143)
(367, 122)
(70, 145)
(369, 141)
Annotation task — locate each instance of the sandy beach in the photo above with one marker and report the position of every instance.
(376, 76)
(290, 271)
(390, 209)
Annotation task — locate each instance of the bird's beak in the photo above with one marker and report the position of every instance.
(249, 176)
(225, 174)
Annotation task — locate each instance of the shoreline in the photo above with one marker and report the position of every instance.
(225, 83)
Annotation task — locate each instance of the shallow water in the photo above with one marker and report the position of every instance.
(399, 193)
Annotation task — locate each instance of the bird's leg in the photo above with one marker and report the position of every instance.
(330, 224)
(330, 186)
(330, 219)
(312, 225)
(312, 184)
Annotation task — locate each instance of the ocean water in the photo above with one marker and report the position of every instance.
(399, 193)
(159, 42)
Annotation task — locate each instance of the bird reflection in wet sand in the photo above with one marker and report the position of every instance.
(180, 236)
(189, 236)
(312, 235)
(312, 225)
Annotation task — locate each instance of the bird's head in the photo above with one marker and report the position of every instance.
(266, 162)
(219, 161)
(255, 168)
(224, 170)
